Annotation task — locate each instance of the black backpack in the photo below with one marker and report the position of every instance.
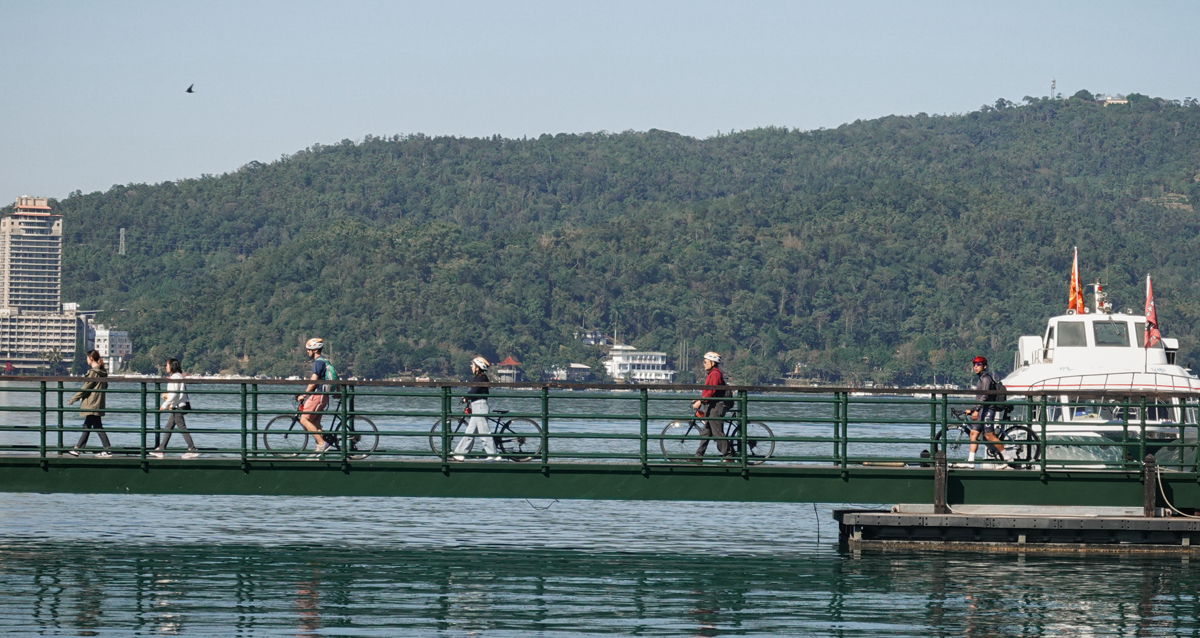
(1001, 392)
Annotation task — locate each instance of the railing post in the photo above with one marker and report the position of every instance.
(743, 408)
(1149, 485)
(1126, 456)
(934, 444)
(939, 483)
(445, 428)
(42, 443)
(345, 433)
(60, 418)
(545, 429)
(845, 429)
(1042, 424)
(945, 420)
(254, 418)
(643, 428)
(157, 416)
(837, 425)
(245, 422)
(1142, 438)
(142, 452)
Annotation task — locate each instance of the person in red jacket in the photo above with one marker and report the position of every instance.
(711, 409)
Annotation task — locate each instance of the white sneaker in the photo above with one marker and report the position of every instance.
(457, 457)
(322, 448)
(191, 454)
(157, 455)
(493, 458)
(73, 451)
(102, 454)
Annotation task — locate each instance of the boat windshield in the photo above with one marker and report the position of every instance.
(1071, 335)
(1111, 334)
(1111, 409)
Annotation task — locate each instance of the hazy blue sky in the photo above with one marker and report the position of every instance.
(92, 93)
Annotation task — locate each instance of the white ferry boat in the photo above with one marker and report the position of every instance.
(1100, 371)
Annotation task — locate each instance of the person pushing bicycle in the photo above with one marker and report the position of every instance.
(314, 400)
(477, 404)
(714, 425)
(983, 415)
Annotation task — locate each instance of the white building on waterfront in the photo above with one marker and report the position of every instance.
(33, 321)
(626, 363)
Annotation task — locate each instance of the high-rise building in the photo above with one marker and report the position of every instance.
(35, 329)
(31, 257)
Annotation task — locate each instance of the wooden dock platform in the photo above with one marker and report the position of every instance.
(1009, 528)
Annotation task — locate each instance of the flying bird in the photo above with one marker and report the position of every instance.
(190, 88)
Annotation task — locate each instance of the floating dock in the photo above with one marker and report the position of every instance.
(1019, 528)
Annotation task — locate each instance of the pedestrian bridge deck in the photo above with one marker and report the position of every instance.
(590, 442)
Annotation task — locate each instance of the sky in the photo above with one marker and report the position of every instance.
(92, 94)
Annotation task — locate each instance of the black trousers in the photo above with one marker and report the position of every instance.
(92, 422)
(714, 427)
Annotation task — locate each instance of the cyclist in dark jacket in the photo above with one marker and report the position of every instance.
(981, 413)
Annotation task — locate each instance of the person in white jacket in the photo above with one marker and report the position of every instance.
(175, 400)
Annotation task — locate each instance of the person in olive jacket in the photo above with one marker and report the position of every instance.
(92, 407)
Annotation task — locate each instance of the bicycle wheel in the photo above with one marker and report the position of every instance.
(952, 438)
(435, 434)
(284, 436)
(518, 440)
(1024, 443)
(364, 437)
(760, 442)
(686, 438)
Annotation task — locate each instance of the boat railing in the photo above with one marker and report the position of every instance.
(1126, 383)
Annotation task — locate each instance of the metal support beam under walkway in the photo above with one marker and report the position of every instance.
(683, 482)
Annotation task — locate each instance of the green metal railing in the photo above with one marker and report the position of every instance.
(593, 423)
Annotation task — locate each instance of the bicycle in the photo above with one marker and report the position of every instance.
(1020, 438)
(680, 439)
(284, 436)
(517, 439)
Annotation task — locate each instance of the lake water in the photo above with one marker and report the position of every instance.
(109, 565)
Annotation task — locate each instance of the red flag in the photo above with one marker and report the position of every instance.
(1152, 334)
(1075, 296)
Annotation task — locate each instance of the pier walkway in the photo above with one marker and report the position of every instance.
(578, 441)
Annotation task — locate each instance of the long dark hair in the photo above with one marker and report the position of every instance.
(173, 366)
(94, 355)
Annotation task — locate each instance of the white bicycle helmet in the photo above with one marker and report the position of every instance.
(480, 363)
(316, 343)
(712, 356)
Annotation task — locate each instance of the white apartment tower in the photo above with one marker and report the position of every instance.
(32, 319)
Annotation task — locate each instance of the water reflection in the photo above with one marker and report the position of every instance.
(345, 589)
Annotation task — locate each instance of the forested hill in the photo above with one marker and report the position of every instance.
(888, 249)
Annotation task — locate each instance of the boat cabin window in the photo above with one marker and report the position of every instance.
(1155, 411)
(1111, 334)
(1139, 329)
(1049, 338)
(1071, 335)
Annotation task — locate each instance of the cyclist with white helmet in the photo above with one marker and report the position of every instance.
(713, 426)
(314, 400)
(477, 405)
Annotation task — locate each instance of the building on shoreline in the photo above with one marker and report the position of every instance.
(628, 364)
(114, 346)
(36, 329)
